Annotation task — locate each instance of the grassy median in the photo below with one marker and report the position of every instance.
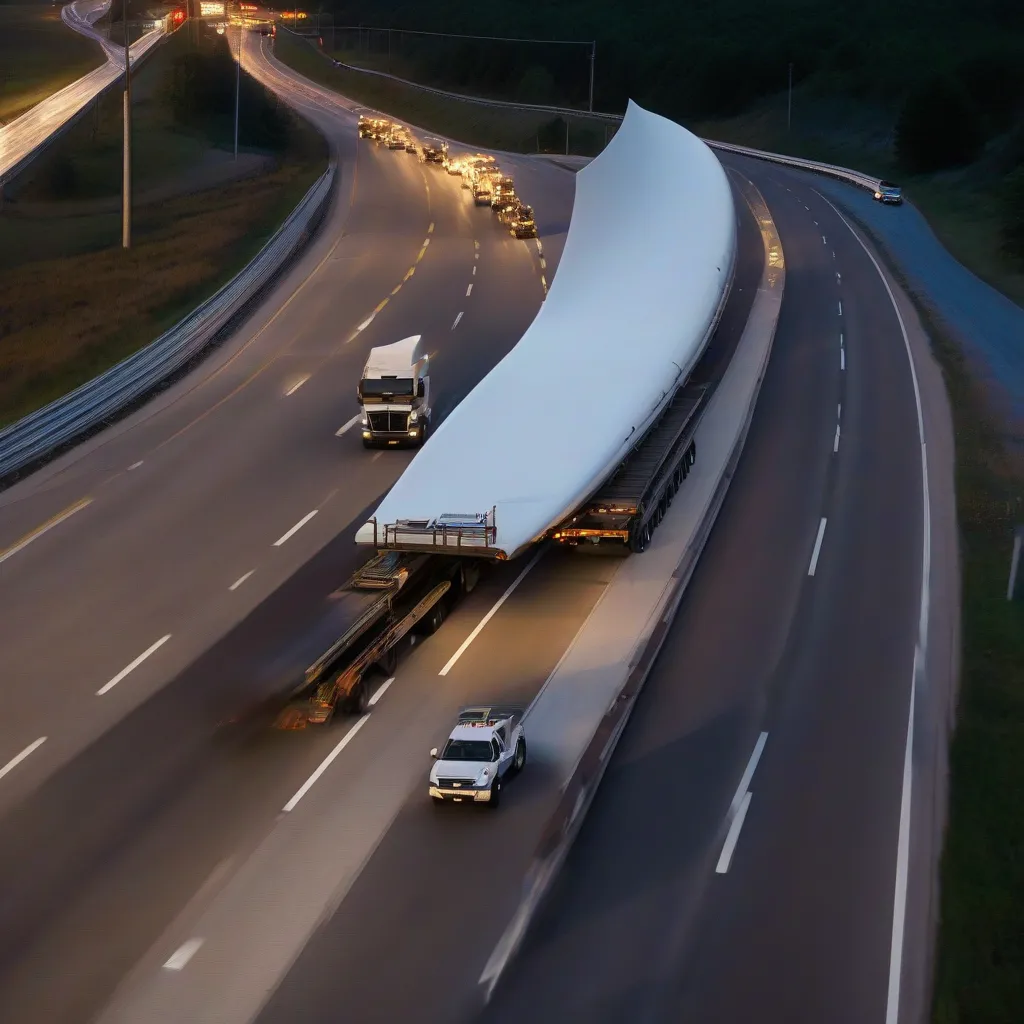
(72, 301)
(519, 131)
(39, 54)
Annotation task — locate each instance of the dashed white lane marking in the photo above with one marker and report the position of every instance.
(476, 244)
(733, 837)
(457, 319)
(295, 529)
(133, 666)
(295, 387)
(840, 339)
(18, 758)
(430, 230)
(835, 444)
(842, 359)
(469, 291)
(839, 278)
(135, 465)
(817, 547)
(474, 270)
(241, 580)
(840, 308)
(381, 690)
(181, 956)
(823, 242)
(426, 242)
(476, 255)
(490, 615)
(346, 427)
(326, 763)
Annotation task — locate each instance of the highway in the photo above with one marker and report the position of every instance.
(135, 796)
(220, 517)
(20, 139)
(787, 674)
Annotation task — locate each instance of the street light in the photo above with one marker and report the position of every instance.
(126, 182)
(238, 84)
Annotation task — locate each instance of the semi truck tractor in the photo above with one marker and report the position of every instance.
(394, 392)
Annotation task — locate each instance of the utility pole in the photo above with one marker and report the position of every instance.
(126, 183)
(789, 107)
(593, 57)
(238, 84)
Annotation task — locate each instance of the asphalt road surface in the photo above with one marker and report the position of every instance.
(659, 913)
(116, 818)
(141, 799)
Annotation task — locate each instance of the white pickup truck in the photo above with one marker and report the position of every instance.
(486, 747)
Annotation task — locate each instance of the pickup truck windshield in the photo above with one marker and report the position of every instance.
(467, 750)
(385, 388)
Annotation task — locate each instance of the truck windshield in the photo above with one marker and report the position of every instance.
(386, 388)
(467, 750)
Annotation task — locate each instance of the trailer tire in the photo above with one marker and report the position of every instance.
(691, 454)
(640, 538)
(389, 662)
(432, 621)
(359, 698)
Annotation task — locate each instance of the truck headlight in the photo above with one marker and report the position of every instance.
(878, 195)
(364, 422)
(413, 416)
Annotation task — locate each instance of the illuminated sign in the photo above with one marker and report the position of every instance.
(210, 9)
(248, 7)
(178, 15)
(292, 15)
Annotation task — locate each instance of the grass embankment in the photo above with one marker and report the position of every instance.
(980, 963)
(39, 55)
(72, 302)
(962, 206)
(521, 131)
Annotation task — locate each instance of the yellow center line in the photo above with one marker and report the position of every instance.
(397, 288)
(380, 305)
(44, 528)
(409, 273)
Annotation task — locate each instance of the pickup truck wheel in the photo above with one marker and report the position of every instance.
(495, 793)
(520, 756)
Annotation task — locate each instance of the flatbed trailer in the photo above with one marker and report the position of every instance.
(630, 504)
(394, 594)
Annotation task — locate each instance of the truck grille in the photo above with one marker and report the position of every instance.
(456, 783)
(388, 422)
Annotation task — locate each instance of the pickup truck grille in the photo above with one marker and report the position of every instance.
(456, 783)
(388, 422)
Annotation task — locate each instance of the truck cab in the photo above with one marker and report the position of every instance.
(394, 392)
(486, 747)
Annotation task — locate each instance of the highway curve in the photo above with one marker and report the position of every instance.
(788, 658)
(169, 527)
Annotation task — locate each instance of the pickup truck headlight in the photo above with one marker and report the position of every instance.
(413, 416)
(364, 422)
(484, 777)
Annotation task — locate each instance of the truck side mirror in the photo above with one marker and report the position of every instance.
(433, 753)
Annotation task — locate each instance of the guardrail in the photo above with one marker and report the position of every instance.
(44, 433)
(846, 174)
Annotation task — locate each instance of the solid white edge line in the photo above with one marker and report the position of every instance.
(733, 837)
(817, 547)
(892, 1007)
(748, 774)
(45, 528)
(241, 580)
(295, 529)
(345, 428)
(181, 956)
(381, 690)
(18, 758)
(133, 666)
(469, 291)
(490, 615)
(326, 763)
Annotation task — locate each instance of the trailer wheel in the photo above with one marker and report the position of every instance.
(431, 623)
(691, 455)
(389, 662)
(640, 538)
(359, 698)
